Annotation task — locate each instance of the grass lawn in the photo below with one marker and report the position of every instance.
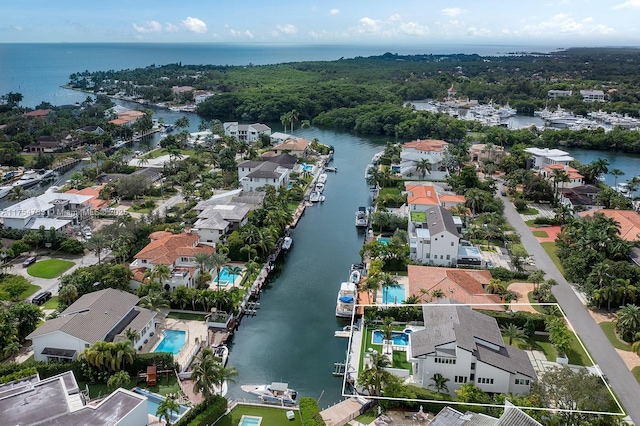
(50, 268)
(135, 209)
(529, 211)
(541, 343)
(51, 303)
(534, 302)
(162, 388)
(186, 316)
(27, 293)
(540, 234)
(609, 329)
(550, 248)
(418, 216)
(368, 417)
(270, 416)
(577, 355)
(636, 373)
(530, 222)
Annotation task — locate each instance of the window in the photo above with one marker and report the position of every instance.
(473, 365)
(483, 380)
(460, 379)
(471, 376)
(441, 257)
(451, 243)
(522, 382)
(444, 360)
(448, 257)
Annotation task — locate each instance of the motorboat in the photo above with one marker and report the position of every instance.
(314, 197)
(322, 178)
(28, 179)
(354, 277)
(286, 243)
(320, 187)
(4, 190)
(362, 217)
(46, 174)
(330, 169)
(275, 393)
(322, 198)
(346, 302)
(222, 352)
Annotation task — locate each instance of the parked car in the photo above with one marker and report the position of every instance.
(29, 261)
(88, 235)
(41, 297)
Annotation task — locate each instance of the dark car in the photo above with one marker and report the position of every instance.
(41, 297)
(29, 261)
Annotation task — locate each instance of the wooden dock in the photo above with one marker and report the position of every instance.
(345, 411)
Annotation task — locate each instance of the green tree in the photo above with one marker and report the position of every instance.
(154, 301)
(628, 322)
(511, 332)
(121, 379)
(68, 294)
(439, 383)
(166, 409)
(423, 166)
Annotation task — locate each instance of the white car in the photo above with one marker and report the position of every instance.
(88, 235)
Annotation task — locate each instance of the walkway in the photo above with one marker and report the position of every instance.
(624, 384)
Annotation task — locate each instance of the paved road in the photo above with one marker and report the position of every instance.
(620, 378)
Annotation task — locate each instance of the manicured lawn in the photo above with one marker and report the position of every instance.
(135, 209)
(162, 388)
(550, 248)
(541, 343)
(50, 268)
(577, 355)
(636, 373)
(530, 222)
(29, 290)
(367, 418)
(529, 211)
(186, 316)
(400, 361)
(418, 216)
(270, 416)
(609, 329)
(51, 303)
(540, 234)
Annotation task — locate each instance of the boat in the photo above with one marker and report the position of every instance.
(275, 393)
(314, 197)
(28, 179)
(354, 277)
(322, 178)
(4, 190)
(320, 187)
(346, 301)
(222, 352)
(331, 169)
(362, 217)
(322, 198)
(46, 174)
(286, 243)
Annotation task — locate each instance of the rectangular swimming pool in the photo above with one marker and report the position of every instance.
(225, 277)
(398, 338)
(153, 401)
(393, 295)
(172, 341)
(250, 421)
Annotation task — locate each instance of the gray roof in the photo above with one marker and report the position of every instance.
(285, 160)
(446, 323)
(93, 316)
(214, 221)
(512, 416)
(250, 164)
(266, 170)
(38, 205)
(259, 127)
(233, 212)
(138, 323)
(439, 220)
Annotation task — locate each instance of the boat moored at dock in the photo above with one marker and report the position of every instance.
(276, 393)
(346, 302)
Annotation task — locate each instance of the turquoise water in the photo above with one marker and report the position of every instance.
(153, 401)
(173, 341)
(400, 339)
(250, 421)
(225, 277)
(384, 240)
(393, 295)
(306, 167)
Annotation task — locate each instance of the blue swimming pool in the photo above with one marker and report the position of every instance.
(393, 295)
(384, 240)
(398, 338)
(172, 341)
(225, 277)
(307, 167)
(250, 421)
(153, 401)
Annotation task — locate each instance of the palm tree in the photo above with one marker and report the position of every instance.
(154, 301)
(439, 383)
(143, 161)
(166, 409)
(224, 374)
(616, 173)
(372, 285)
(437, 294)
(122, 352)
(388, 281)
(18, 193)
(536, 278)
(249, 250)
(68, 294)
(495, 286)
(132, 335)
(217, 261)
(204, 373)
(636, 347)
(234, 270)
(423, 166)
(160, 273)
(202, 259)
(628, 322)
(375, 373)
(97, 244)
(474, 199)
(99, 355)
(512, 331)
(559, 176)
(120, 379)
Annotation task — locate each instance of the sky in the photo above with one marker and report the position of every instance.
(513, 22)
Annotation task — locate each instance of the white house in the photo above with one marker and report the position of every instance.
(553, 94)
(177, 251)
(574, 178)
(54, 209)
(103, 315)
(218, 219)
(541, 157)
(58, 400)
(274, 171)
(435, 240)
(592, 95)
(424, 149)
(466, 346)
(245, 132)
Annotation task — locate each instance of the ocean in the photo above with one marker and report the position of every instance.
(38, 70)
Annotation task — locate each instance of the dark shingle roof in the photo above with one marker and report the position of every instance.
(440, 219)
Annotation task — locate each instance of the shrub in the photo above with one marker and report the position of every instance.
(310, 412)
(206, 412)
(72, 246)
(25, 372)
(546, 221)
(518, 318)
(163, 360)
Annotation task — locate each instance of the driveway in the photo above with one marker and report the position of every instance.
(618, 375)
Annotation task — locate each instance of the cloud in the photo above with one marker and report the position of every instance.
(393, 26)
(632, 4)
(565, 24)
(171, 28)
(194, 25)
(334, 12)
(239, 34)
(287, 29)
(452, 11)
(148, 27)
(18, 27)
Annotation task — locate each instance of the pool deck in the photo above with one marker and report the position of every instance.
(236, 282)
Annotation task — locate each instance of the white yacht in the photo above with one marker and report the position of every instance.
(314, 197)
(322, 178)
(346, 302)
(28, 179)
(46, 174)
(362, 217)
(4, 190)
(275, 393)
(222, 352)
(320, 187)
(286, 243)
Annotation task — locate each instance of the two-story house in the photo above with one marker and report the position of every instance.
(273, 171)
(434, 240)
(424, 149)
(218, 219)
(574, 178)
(177, 251)
(51, 210)
(542, 157)
(295, 146)
(245, 132)
(466, 346)
(103, 315)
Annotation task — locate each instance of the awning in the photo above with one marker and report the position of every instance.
(61, 353)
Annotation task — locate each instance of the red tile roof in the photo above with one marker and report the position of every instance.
(38, 113)
(463, 285)
(628, 221)
(422, 194)
(94, 192)
(166, 247)
(426, 145)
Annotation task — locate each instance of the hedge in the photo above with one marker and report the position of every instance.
(542, 220)
(310, 412)
(506, 275)
(205, 413)
(20, 374)
(518, 318)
